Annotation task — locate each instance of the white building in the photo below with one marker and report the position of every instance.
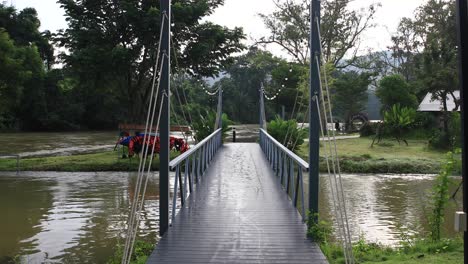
(430, 105)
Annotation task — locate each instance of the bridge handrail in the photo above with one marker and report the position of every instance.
(302, 163)
(192, 164)
(173, 163)
(288, 167)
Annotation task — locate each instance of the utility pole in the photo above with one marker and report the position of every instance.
(165, 118)
(314, 124)
(262, 108)
(462, 26)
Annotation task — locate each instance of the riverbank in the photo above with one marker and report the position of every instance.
(356, 156)
(103, 161)
(446, 251)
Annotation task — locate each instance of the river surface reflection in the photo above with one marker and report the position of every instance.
(69, 217)
(81, 217)
(383, 207)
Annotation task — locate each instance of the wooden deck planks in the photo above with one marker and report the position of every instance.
(238, 214)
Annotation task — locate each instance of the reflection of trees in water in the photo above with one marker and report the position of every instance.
(152, 191)
(24, 204)
(106, 228)
(378, 204)
(401, 202)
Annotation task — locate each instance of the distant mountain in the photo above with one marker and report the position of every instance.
(211, 81)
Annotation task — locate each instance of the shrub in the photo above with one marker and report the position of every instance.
(440, 195)
(449, 140)
(204, 125)
(369, 129)
(319, 231)
(397, 122)
(287, 133)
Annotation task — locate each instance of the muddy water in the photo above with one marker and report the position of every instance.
(383, 207)
(69, 217)
(64, 143)
(80, 217)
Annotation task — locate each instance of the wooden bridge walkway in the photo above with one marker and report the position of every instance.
(238, 214)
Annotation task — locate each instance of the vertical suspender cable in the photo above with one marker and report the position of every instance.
(339, 187)
(133, 217)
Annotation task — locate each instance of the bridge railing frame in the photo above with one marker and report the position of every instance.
(192, 164)
(284, 163)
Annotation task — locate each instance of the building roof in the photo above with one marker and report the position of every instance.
(430, 105)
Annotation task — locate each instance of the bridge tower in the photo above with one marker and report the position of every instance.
(314, 95)
(165, 117)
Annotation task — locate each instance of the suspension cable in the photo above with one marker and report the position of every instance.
(134, 212)
(176, 86)
(339, 185)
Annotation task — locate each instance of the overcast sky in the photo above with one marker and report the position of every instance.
(244, 13)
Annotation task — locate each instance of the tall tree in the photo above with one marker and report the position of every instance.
(23, 28)
(112, 47)
(12, 78)
(393, 90)
(350, 94)
(426, 48)
(341, 29)
(244, 79)
(25, 52)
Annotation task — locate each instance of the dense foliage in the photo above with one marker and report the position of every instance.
(393, 89)
(32, 94)
(108, 56)
(112, 51)
(287, 133)
(205, 125)
(350, 94)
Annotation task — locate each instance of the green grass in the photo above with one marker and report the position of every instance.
(448, 251)
(141, 251)
(357, 156)
(104, 161)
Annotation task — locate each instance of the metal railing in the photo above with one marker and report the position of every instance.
(192, 164)
(288, 167)
(13, 156)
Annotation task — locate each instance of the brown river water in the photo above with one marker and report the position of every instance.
(81, 217)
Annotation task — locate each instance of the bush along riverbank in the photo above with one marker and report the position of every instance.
(104, 161)
(141, 252)
(412, 248)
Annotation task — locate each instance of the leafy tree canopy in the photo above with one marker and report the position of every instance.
(23, 28)
(394, 89)
(350, 94)
(341, 29)
(112, 48)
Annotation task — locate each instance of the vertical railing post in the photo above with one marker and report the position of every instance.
(190, 173)
(462, 26)
(314, 125)
(186, 176)
(165, 118)
(174, 197)
(194, 177)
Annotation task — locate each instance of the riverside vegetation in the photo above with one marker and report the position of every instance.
(412, 248)
(356, 156)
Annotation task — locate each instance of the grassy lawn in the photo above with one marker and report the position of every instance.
(441, 258)
(356, 155)
(446, 251)
(104, 161)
